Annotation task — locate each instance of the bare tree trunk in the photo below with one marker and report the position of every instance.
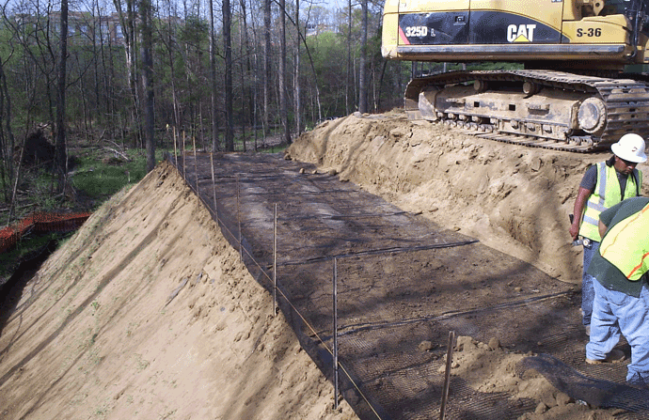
(362, 84)
(298, 104)
(315, 75)
(147, 61)
(107, 82)
(383, 67)
(60, 148)
(128, 31)
(6, 135)
(283, 106)
(267, 53)
(12, 208)
(348, 79)
(215, 120)
(170, 51)
(227, 41)
(94, 109)
(249, 95)
(256, 67)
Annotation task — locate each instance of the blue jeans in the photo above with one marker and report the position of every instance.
(614, 313)
(587, 288)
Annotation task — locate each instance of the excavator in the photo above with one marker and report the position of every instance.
(579, 84)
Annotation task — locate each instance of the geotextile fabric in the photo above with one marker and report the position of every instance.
(595, 392)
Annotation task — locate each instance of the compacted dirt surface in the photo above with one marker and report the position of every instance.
(149, 312)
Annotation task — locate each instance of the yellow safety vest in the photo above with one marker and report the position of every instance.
(607, 193)
(626, 246)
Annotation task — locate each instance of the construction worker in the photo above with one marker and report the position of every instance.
(603, 186)
(621, 304)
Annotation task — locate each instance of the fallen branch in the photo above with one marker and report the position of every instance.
(118, 153)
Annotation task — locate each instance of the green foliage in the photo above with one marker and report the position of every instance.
(331, 73)
(495, 66)
(275, 149)
(26, 247)
(99, 176)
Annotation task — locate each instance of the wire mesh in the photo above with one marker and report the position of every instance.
(402, 280)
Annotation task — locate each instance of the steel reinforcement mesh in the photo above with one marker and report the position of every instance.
(402, 280)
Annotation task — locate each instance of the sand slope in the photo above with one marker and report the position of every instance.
(513, 198)
(146, 313)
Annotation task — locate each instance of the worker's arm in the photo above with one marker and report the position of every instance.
(580, 204)
(602, 228)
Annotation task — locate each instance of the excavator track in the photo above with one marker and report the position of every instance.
(625, 105)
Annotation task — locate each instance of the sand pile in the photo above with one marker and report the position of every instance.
(146, 313)
(512, 198)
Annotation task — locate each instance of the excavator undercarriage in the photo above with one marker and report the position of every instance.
(538, 108)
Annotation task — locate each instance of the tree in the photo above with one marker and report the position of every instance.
(146, 14)
(283, 106)
(227, 44)
(61, 149)
(213, 92)
(267, 54)
(298, 103)
(348, 79)
(362, 84)
(6, 135)
(130, 52)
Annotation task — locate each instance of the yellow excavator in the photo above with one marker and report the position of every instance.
(580, 85)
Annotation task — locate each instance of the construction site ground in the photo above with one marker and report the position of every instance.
(148, 312)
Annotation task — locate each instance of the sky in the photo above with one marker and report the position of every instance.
(335, 4)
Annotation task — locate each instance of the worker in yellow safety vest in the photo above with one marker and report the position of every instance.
(603, 186)
(621, 304)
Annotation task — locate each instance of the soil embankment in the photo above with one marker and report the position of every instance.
(512, 198)
(147, 313)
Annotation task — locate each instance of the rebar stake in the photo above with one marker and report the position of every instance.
(275, 265)
(184, 157)
(239, 218)
(213, 182)
(335, 331)
(175, 147)
(195, 164)
(447, 375)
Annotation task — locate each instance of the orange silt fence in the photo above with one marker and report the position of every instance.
(40, 223)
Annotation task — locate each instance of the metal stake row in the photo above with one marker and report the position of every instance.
(452, 336)
(335, 331)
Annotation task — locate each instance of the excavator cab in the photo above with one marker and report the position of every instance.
(594, 34)
(572, 94)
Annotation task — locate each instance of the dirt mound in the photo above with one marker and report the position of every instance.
(147, 313)
(38, 149)
(513, 198)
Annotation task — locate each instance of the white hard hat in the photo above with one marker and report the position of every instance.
(631, 148)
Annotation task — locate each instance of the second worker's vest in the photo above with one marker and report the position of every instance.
(626, 247)
(607, 193)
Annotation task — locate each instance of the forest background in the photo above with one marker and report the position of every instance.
(127, 77)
